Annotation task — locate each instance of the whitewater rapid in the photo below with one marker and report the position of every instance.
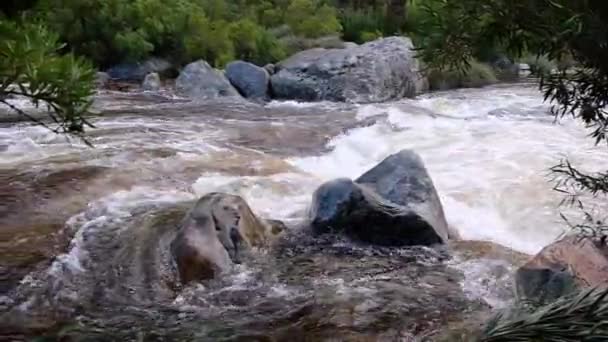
(488, 152)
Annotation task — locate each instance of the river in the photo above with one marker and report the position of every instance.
(74, 218)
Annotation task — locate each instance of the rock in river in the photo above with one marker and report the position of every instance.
(249, 79)
(377, 71)
(395, 203)
(151, 82)
(216, 233)
(199, 80)
(561, 267)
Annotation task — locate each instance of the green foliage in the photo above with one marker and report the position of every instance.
(360, 26)
(311, 19)
(30, 67)
(539, 65)
(478, 75)
(114, 31)
(580, 317)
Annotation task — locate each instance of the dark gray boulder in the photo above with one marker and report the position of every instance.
(198, 80)
(394, 204)
(377, 71)
(249, 79)
(136, 72)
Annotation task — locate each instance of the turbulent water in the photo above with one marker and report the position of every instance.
(79, 226)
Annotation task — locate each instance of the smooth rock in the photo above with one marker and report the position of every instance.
(249, 79)
(199, 80)
(101, 79)
(561, 267)
(217, 232)
(394, 204)
(270, 68)
(151, 82)
(377, 71)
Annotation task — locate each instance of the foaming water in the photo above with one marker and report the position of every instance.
(491, 171)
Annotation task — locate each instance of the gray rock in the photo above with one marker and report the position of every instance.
(198, 80)
(216, 233)
(524, 70)
(101, 79)
(136, 72)
(270, 68)
(349, 45)
(562, 267)
(393, 204)
(377, 71)
(151, 82)
(249, 79)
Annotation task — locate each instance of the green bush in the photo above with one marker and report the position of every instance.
(477, 75)
(358, 25)
(539, 65)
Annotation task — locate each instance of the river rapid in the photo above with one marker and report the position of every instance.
(78, 224)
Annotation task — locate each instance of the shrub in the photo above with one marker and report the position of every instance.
(477, 75)
(539, 65)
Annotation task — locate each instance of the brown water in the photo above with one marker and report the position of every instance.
(82, 229)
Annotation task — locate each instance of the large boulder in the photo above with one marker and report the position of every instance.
(199, 80)
(249, 79)
(216, 233)
(151, 82)
(136, 72)
(393, 204)
(561, 267)
(377, 71)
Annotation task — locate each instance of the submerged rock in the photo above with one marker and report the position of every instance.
(377, 71)
(199, 80)
(394, 204)
(215, 234)
(249, 79)
(561, 267)
(151, 82)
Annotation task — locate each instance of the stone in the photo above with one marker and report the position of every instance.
(151, 82)
(270, 68)
(101, 79)
(136, 72)
(394, 204)
(215, 234)
(377, 71)
(561, 267)
(403, 179)
(249, 79)
(524, 70)
(198, 80)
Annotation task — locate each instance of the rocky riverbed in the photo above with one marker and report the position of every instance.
(83, 229)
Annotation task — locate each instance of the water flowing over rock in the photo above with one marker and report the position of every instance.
(395, 203)
(249, 79)
(381, 70)
(216, 233)
(561, 267)
(199, 80)
(151, 82)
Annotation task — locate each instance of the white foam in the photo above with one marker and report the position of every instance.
(490, 172)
